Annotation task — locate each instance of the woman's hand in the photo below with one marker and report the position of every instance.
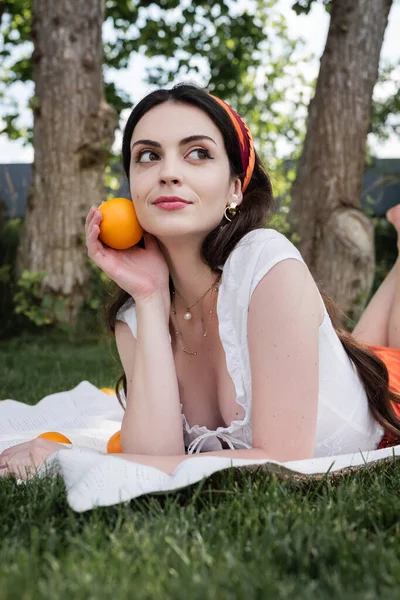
(140, 272)
(24, 459)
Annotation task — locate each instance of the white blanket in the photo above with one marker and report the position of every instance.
(88, 417)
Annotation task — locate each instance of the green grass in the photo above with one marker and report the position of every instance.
(237, 535)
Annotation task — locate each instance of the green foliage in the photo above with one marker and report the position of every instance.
(98, 286)
(112, 178)
(17, 28)
(384, 118)
(282, 179)
(304, 6)
(5, 274)
(116, 98)
(250, 61)
(248, 56)
(44, 308)
(239, 46)
(25, 307)
(208, 30)
(385, 113)
(40, 307)
(10, 323)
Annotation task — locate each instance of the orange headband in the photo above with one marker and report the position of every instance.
(245, 140)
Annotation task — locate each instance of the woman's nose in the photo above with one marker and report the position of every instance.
(170, 171)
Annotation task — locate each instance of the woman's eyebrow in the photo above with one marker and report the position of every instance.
(186, 140)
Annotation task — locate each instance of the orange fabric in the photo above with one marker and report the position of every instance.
(252, 154)
(391, 358)
(252, 160)
(233, 119)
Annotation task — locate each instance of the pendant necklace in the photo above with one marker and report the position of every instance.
(188, 315)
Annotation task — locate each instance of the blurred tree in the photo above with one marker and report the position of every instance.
(384, 120)
(72, 134)
(249, 59)
(336, 238)
(244, 55)
(2, 214)
(233, 41)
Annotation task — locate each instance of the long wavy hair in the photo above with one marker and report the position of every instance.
(256, 208)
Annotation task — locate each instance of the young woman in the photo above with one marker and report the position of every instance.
(228, 347)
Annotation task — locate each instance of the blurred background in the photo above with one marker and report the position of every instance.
(317, 81)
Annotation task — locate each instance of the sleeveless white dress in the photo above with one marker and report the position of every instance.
(345, 423)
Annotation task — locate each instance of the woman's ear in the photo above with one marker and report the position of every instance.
(237, 189)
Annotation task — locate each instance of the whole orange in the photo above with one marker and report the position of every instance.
(54, 436)
(119, 227)
(108, 391)
(114, 443)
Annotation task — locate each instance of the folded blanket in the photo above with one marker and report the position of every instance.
(89, 417)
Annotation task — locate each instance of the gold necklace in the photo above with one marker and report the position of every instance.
(188, 315)
(215, 287)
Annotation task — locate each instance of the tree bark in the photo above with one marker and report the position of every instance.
(337, 239)
(73, 132)
(2, 214)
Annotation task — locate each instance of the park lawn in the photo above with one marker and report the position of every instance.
(236, 535)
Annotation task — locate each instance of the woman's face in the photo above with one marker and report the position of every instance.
(165, 162)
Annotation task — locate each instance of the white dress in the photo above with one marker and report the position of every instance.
(345, 423)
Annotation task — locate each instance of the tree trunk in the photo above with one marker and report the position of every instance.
(73, 132)
(2, 214)
(337, 240)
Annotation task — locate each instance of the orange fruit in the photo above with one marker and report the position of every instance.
(119, 227)
(108, 391)
(114, 443)
(54, 436)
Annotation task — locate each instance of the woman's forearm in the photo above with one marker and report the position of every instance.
(152, 423)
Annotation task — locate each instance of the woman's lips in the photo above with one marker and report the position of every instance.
(171, 205)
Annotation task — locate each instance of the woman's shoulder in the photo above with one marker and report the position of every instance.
(255, 254)
(257, 238)
(262, 243)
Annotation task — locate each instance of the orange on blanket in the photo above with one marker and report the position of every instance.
(108, 391)
(114, 443)
(54, 436)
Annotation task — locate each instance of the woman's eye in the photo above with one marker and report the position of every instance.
(142, 153)
(202, 154)
(205, 153)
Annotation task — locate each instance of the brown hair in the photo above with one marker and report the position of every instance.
(255, 210)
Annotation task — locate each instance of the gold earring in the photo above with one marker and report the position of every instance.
(232, 210)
